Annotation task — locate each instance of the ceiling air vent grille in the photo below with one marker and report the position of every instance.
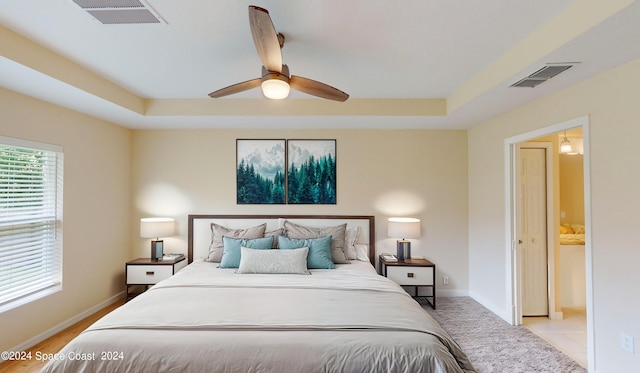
(120, 12)
(542, 75)
(124, 16)
(101, 4)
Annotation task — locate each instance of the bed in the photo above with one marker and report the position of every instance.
(207, 318)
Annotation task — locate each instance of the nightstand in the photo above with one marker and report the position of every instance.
(412, 272)
(147, 272)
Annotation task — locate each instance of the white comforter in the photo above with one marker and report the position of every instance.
(205, 319)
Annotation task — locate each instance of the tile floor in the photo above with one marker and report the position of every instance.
(568, 335)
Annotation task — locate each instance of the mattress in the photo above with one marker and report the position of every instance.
(206, 319)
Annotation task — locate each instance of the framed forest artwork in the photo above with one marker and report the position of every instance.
(260, 171)
(311, 171)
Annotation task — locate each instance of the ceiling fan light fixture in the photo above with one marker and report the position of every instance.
(275, 80)
(275, 89)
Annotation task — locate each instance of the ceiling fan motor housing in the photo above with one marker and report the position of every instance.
(283, 75)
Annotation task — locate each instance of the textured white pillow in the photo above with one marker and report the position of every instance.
(274, 261)
(362, 251)
(351, 236)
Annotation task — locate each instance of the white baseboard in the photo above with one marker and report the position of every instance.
(62, 326)
(452, 293)
(504, 314)
(558, 315)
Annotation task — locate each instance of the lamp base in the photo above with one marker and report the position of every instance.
(404, 250)
(157, 249)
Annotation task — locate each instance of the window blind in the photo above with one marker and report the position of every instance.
(30, 221)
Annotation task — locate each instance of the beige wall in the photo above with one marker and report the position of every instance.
(96, 211)
(610, 100)
(572, 188)
(379, 172)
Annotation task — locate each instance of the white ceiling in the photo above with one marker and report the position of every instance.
(466, 52)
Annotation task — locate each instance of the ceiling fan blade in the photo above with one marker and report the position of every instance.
(236, 88)
(265, 38)
(318, 89)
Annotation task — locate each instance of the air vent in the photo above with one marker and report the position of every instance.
(120, 12)
(124, 16)
(528, 82)
(102, 4)
(542, 75)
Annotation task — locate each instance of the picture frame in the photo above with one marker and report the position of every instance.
(260, 171)
(311, 171)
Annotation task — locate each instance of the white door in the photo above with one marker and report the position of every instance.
(533, 231)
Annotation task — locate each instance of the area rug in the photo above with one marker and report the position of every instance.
(495, 346)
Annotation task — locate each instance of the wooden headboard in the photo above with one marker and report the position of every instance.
(199, 235)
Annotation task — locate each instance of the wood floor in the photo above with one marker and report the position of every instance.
(54, 343)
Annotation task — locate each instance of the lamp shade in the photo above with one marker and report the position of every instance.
(404, 228)
(157, 227)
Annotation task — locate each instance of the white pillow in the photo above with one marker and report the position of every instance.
(292, 261)
(351, 236)
(362, 252)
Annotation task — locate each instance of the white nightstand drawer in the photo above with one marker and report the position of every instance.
(405, 275)
(148, 274)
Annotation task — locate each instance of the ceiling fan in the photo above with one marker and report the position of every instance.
(276, 80)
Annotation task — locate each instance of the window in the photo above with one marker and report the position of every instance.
(30, 221)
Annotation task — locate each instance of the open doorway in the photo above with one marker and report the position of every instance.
(555, 293)
(553, 262)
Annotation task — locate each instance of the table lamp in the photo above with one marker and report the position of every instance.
(404, 228)
(157, 228)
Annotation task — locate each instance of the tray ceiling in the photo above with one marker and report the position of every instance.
(405, 64)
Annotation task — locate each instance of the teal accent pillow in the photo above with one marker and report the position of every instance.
(319, 256)
(231, 249)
